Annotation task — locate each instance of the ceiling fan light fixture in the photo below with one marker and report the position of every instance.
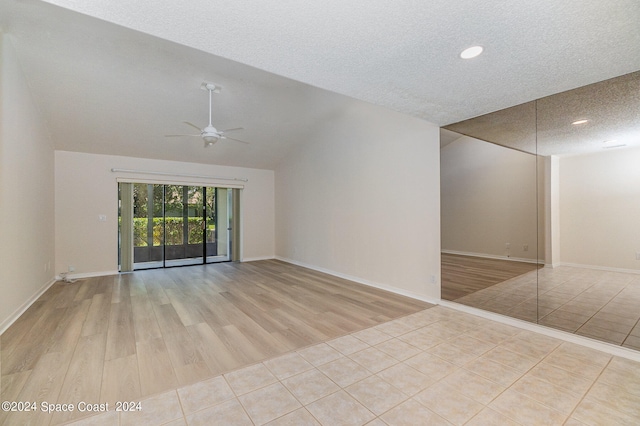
(210, 139)
(210, 135)
(471, 52)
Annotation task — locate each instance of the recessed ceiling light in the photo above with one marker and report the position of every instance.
(580, 122)
(471, 52)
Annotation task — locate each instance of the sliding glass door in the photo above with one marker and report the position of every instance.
(183, 223)
(148, 225)
(174, 225)
(218, 213)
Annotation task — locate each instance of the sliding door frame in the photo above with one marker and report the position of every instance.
(233, 244)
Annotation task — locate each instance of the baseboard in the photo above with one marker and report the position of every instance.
(89, 275)
(492, 256)
(547, 331)
(21, 310)
(540, 262)
(525, 325)
(254, 259)
(363, 281)
(600, 268)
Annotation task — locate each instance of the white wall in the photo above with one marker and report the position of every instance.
(600, 209)
(26, 192)
(551, 210)
(488, 200)
(362, 201)
(86, 188)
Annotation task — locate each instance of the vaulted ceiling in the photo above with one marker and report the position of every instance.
(115, 77)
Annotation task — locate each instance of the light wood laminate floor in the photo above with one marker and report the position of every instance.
(463, 275)
(123, 337)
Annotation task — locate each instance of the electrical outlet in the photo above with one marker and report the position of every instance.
(432, 279)
(507, 245)
(638, 255)
(72, 268)
(525, 247)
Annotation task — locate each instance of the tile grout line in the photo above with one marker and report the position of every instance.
(507, 387)
(459, 367)
(373, 374)
(547, 381)
(590, 387)
(237, 397)
(630, 331)
(315, 368)
(603, 306)
(184, 416)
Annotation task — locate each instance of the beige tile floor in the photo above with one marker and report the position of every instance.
(435, 367)
(601, 305)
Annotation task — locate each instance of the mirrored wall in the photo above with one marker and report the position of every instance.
(541, 211)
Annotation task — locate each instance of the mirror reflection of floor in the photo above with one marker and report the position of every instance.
(463, 275)
(602, 305)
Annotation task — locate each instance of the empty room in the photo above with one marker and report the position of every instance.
(323, 213)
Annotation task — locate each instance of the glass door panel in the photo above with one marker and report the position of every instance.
(194, 222)
(210, 225)
(183, 225)
(148, 234)
(173, 222)
(157, 230)
(217, 235)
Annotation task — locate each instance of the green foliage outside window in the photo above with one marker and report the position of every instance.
(173, 226)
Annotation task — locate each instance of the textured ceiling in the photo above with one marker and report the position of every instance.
(113, 77)
(544, 126)
(106, 89)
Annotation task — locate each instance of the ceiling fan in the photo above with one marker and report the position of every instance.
(210, 134)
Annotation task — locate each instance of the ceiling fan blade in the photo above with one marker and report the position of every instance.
(192, 125)
(231, 130)
(210, 134)
(233, 139)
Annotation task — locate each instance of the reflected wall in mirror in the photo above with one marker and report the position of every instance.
(560, 175)
(489, 227)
